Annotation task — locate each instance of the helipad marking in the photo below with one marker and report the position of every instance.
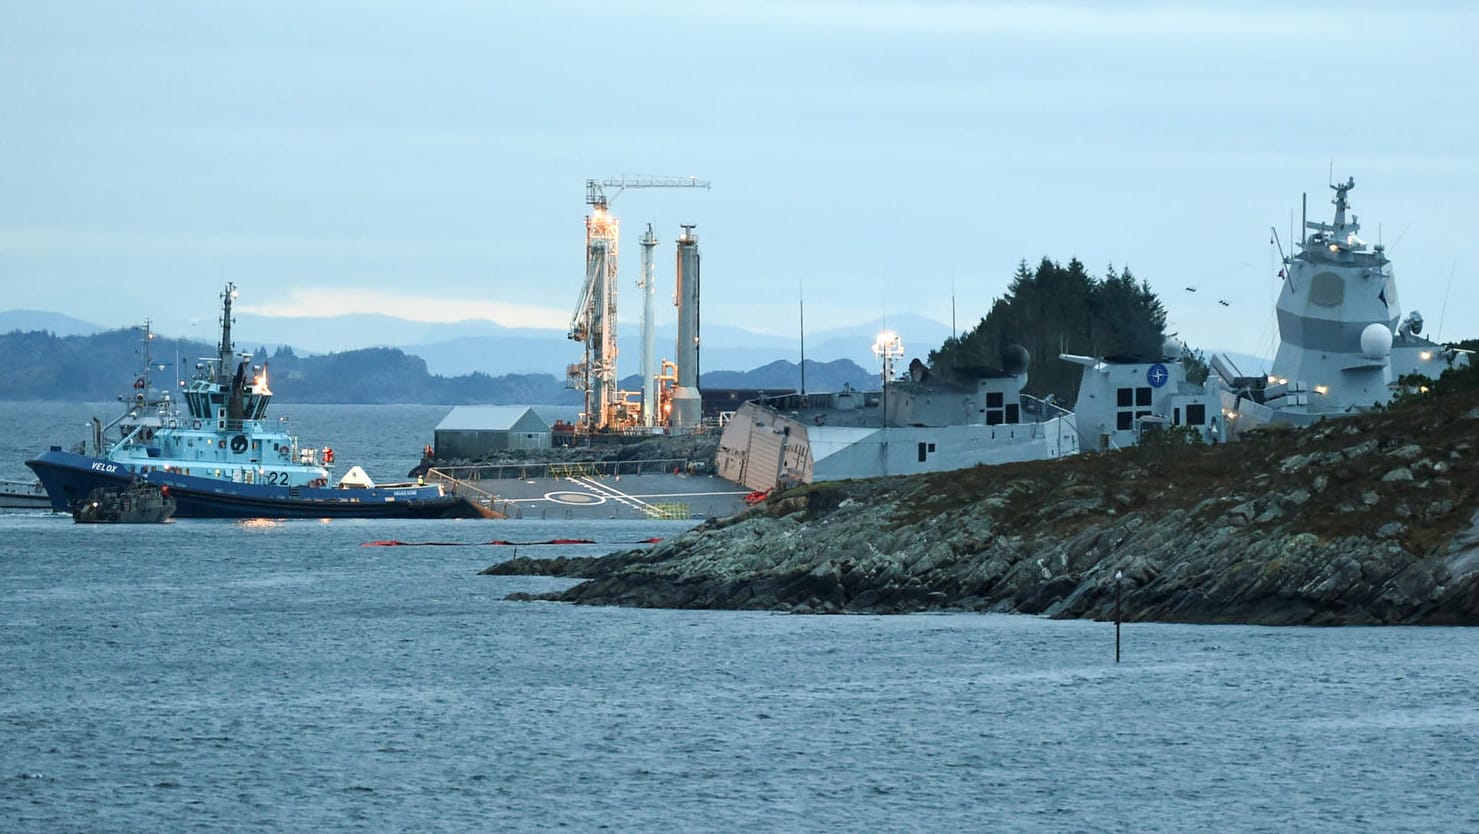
(575, 498)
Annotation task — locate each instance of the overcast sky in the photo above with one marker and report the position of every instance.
(428, 159)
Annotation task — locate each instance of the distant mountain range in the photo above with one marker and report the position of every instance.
(40, 365)
(61, 325)
(480, 346)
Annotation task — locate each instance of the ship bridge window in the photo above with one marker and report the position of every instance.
(1133, 403)
(197, 403)
(999, 411)
(1196, 414)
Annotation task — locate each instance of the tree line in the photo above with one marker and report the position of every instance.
(1057, 309)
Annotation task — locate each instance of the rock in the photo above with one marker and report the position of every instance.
(1401, 474)
(1391, 530)
(1271, 513)
(1294, 464)
(1410, 451)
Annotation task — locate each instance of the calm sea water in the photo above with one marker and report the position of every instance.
(227, 676)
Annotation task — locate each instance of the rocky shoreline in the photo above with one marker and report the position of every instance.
(1367, 520)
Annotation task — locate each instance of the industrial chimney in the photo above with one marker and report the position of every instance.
(688, 410)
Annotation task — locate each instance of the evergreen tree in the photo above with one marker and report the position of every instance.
(1059, 309)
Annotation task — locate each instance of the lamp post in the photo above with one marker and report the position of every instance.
(1118, 585)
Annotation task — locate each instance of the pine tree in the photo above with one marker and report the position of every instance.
(1058, 309)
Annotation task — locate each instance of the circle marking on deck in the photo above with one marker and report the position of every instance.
(579, 498)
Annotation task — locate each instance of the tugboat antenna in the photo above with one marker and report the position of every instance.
(227, 349)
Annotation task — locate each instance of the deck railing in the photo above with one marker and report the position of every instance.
(568, 469)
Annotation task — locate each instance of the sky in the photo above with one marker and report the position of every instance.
(429, 159)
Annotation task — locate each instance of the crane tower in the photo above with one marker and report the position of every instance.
(594, 321)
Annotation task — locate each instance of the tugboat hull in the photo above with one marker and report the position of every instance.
(70, 478)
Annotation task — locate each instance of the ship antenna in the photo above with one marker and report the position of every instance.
(954, 334)
(1438, 336)
(148, 357)
(801, 299)
(226, 349)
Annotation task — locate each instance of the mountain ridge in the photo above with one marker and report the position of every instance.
(482, 346)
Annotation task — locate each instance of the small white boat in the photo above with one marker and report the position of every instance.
(23, 495)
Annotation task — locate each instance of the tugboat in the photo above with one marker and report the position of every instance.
(138, 503)
(220, 457)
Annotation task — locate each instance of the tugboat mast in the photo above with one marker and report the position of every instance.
(225, 351)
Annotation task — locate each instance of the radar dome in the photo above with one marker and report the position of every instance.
(1014, 360)
(1376, 341)
(1172, 349)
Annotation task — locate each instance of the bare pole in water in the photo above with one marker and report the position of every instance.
(1118, 593)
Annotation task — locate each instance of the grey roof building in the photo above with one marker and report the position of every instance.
(473, 431)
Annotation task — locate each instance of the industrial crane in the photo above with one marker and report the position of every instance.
(594, 321)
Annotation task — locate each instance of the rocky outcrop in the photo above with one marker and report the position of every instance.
(1367, 520)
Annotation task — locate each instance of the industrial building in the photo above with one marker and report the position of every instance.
(473, 431)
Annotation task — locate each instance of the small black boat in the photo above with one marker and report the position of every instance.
(138, 503)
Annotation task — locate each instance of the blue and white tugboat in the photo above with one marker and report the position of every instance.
(219, 456)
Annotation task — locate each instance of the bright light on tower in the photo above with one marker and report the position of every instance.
(888, 347)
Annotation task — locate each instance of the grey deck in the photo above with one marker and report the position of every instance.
(615, 496)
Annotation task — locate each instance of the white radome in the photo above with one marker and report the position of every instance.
(1376, 341)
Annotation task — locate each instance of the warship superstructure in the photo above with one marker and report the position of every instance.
(1121, 397)
(912, 425)
(1343, 344)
